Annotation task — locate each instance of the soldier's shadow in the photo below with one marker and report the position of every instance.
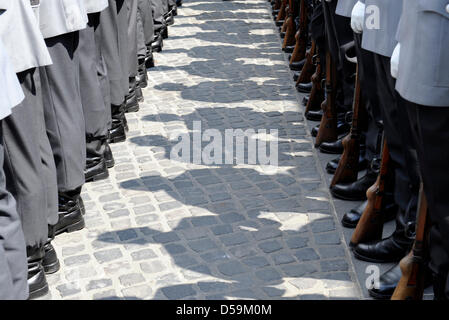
(237, 232)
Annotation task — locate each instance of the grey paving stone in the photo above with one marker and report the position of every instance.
(108, 255)
(256, 262)
(334, 265)
(178, 291)
(270, 246)
(131, 279)
(327, 238)
(98, 284)
(232, 268)
(306, 254)
(202, 245)
(269, 274)
(143, 255)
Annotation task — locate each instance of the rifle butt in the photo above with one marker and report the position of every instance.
(411, 284)
(328, 125)
(370, 226)
(347, 170)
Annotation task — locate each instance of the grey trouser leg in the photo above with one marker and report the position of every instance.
(13, 258)
(64, 112)
(146, 15)
(102, 70)
(132, 37)
(123, 43)
(141, 45)
(158, 14)
(108, 38)
(23, 166)
(92, 100)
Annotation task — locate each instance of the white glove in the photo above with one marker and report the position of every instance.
(358, 17)
(394, 62)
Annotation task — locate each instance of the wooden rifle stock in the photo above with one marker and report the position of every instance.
(308, 69)
(411, 285)
(281, 14)
(301, 36)
(347, 170)
(328, 126)
(370, 226)
(317, 93)
(290, 28)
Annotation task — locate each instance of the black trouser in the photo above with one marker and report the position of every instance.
(430, 128)
(402, 150)
(339, 33)
(367, 76)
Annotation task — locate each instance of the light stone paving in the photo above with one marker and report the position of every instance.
(165, 229)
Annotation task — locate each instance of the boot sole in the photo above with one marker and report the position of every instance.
(52, 268)
(327, 151)
(110, 164)
(77, 226)
(134, 108)
(367, 259)
(346, 198)
(312, 118)
(97, 177)
(118, 139)
(38, 293)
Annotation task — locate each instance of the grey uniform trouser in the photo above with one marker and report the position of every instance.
(157, 7)
(123, 43)
(13, 262)
(63, 110)
(94, 108)
(132, 37)
(29, 166)
(146, 17)
(108, 37)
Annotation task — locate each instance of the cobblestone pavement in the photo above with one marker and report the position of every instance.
(164, 229)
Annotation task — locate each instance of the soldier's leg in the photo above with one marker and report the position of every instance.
(403, 159)
(141, 79)
(65, 127)
(371, 132)
(430, 126)
(23, 170)
(160, 26)
(108, 39)
(13, 263)
(93, 105)
(132, 104)
(146, 16)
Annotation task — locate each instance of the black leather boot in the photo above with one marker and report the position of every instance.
(157, 44)
(342, 128)
(387, 284)
(95, 163)
(282, 35)
(332, 165)
(109, 157)
(37, 282)
(69, 212)
(118, 131)
(335, 147)
(149, 59)
(178, 3)
(96, 169)
(314, 115)
(174, 10)
(382, 251)
(389, 210)
(304, 87)
(355, 191)
(279, 23)
(142, 76)
(132, 103)
(50, 262)
(297, 65)
(169, 20)
(296, 75)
